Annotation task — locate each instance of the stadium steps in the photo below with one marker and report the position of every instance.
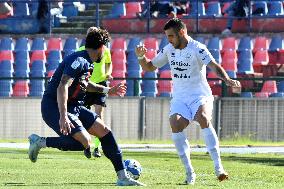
(85, 19)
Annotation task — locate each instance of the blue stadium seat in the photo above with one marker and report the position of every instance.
(245, 62)
(194, 10)
(232, 74)
(149, 85)
(214, 43)
(33, 7)
(54, 55)
(246, 94)
(259, 5)
(200, 39)
(22, 55)
(165, 94)
(6, 44)
(22, 44)
(216, 54)
(38, 44)
(6, 89)
(278, 94)
(276, 43)
(149, 94)
(69, 9)
(38, 69)
(131, 84)
(165, 67)
(163, 43)
(245, 43)
(52, 65)
(21, 9)
(275, 8)
(71, 43)
(22, 68)
(213, 9)
(133, 42)
(37, 87)
(280, 86)
(117, 10)
(6, 68)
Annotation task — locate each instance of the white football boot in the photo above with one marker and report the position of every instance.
(190, 178)
(129, 182)
(35, 146)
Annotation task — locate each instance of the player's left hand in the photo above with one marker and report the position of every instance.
(119, 89)
(236, 85)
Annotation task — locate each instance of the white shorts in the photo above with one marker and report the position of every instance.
(188, 108)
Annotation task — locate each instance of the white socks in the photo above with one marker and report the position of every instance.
(122, 174)
(183, 150)
(212, 144)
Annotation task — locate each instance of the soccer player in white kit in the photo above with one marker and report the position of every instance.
(192, 97)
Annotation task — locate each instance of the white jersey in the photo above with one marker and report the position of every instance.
(188, 68)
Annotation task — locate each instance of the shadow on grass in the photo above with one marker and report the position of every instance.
(58, 184)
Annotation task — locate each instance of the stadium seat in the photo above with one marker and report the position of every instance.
(38, 44)
(212, 75)
(214, 43)
(6, 87)
(52, 65)
(37, 87)
(22, 44)
(259, 8)
(280, 86)
(151, 53)
(149, 85)
(6, 44)
(71, 44)
(133, 42)
(6, 55)
(245, 66)
(216, 55)
(6, 68)
(118, 43)
(229, 43)
(21, 88)
(229, 60)
(69, 9)
(225, 6)
(165, 86)
(279, 94)
(54, 44)
(118, 74)
(119, 65)
(163, 43)
(118, 55)
(276, 43)
(269, 87)
(165, 94)
(38, 55)
(22, 55)
(151, 43)
(133, 86)
(275, 8)
(21, 9)
(22, 68)
(132, 8)
(246, 94)
(200, 39)
(118, 10)
(50, 73)
(197, 9)
(165, 67)
(38, 69)
(261, 43)
(245, 44)
(260, 58)
(232, 74)
(213, 8)
(261, 95)
(149, 94)
(54, 55)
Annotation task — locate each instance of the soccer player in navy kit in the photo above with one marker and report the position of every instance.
(63, 111)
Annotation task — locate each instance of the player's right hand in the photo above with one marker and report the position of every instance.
(140, 50)
(65, 125)
(119, 89)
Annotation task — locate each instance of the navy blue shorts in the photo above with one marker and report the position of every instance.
(81, 117)
(92, 98)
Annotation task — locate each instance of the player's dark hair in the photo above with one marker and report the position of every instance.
(96, 38)
(176, 24)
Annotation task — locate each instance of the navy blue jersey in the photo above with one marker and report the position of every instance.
(76, 66)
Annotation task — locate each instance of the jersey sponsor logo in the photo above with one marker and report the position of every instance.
(181, 76)
(173, 55)
(201, 51)
(77, 62)
(180, 69)
(180, 63)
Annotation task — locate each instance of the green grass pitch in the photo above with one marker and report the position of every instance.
(56, 169)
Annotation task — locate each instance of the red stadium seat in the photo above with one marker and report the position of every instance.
(213, 82)
(269, 87)
(261, 58)
(260, 43)
(21, 88)
(118, 55)
(229, 60)
(151, 54)
(261, 95)
(7, 55)
(118, 74)
(54, 44)
(229, 43)
(38, 55)
(151, 43)
(132, 8)
(118, 43)
(165, 86)
(119, 65)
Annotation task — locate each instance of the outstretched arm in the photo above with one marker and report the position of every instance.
(221, 73)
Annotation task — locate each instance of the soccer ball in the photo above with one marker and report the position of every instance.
(133, 168)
